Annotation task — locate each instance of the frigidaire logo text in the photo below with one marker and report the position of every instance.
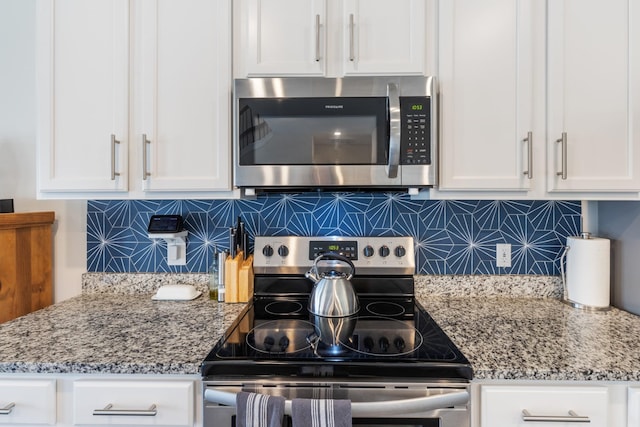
(334, 107)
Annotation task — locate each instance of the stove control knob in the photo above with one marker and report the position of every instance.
(384, 344)
(400, 251)
(267, 251)
(283, 251)
(368, 344)
(268, 342)
(368, 251)
(399, 343)
(283, 343)
(384, 251)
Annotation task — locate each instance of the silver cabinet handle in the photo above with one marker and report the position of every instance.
(571, 418)
(7, 409)
(563, 141)
(368, 409)
(145, 143)
(107, 410)
(317, 38)
(114, 142)
(529, 141)
(352, 56)
(394, 131)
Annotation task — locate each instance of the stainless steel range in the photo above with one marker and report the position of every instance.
(395, 363)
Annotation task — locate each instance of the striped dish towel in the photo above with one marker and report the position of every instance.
(321, 413)
(259, 410)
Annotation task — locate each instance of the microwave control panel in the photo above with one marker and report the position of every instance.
(415, 140)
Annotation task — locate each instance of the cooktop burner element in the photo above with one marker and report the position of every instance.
(391, 336)
(283, 308)
(386, 308)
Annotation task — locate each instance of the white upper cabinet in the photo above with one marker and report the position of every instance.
(332, 37)
(83, 106)
(134, 98)
(182, 101)
(283, 37)
(593, 96)
(486, 73)
(384, 37)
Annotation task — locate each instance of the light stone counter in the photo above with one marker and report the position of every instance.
(510, 328)
(115, 327)
(119, 332)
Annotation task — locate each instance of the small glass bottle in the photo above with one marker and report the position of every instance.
(214, 277)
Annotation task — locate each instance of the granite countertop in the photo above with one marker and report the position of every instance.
(540, 339)
(115, 334)
(507, 333)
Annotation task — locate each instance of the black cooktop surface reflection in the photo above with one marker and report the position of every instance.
(390, 337)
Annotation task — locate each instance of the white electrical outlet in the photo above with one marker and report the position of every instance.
(503, 255)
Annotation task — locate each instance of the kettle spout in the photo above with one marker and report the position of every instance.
(312, 275)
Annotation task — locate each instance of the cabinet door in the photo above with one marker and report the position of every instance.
(384, 36)
(182, 85)
(83, 74)
(284, 37)
(27, 402)
(593, 95)
(486, 90)
(505, 405)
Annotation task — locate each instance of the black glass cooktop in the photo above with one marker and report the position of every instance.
(388, 337)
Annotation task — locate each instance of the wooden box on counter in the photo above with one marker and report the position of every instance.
(26, 251)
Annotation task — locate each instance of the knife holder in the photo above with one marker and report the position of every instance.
(231, 272)
(245, 280)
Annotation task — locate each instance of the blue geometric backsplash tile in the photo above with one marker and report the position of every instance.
(451, 237)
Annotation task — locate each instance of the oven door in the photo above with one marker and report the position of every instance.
(372, 404)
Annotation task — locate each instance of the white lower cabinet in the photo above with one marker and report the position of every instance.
(69, 400)
(27, 402)
(118, 402)
(552, 405)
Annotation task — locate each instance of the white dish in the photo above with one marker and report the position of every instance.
(176, 293)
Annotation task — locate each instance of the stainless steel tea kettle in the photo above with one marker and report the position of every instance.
(333, 294)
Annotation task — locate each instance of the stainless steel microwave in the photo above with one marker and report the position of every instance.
(300, 133)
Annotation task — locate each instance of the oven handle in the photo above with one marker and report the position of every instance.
(367, 409)
(394, 130)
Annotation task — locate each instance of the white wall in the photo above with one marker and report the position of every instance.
(17, 146)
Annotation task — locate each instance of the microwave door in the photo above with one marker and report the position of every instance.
(394, 130)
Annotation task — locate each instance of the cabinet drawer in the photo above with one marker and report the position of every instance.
(117, 402)
(504, 405)
(34, 402)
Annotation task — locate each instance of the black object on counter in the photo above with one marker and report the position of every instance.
(6, 205)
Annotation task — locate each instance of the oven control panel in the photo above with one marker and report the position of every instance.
(370, 255)
(347, 248)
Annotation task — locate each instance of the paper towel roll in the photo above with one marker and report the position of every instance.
(588, 265)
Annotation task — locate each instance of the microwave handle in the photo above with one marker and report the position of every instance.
(394, 130)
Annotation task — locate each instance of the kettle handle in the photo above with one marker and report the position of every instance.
(337, 257)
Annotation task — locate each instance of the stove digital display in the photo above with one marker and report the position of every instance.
(345, 248)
